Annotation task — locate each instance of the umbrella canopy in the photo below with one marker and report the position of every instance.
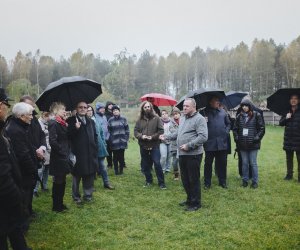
(233, 98)
(70, 91)
(279, 102)
(202, 96)
(159, 99)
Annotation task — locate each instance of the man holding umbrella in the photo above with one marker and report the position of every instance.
(83, 136)
(291, 143)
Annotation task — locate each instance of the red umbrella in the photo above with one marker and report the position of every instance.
(159, 99)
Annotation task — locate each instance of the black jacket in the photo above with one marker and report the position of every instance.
(291, 131)
(60, 149)
(256, 130)
(10, 174)
(84, 145)
(17, 131)
(11, 202)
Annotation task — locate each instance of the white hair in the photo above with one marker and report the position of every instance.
(22, 108)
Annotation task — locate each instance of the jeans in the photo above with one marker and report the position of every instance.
(249, 157)
(190, 176)
(290, 162)
(175, 161)
(103, 171)
(87, 186)
(43, 174)
(148, 158)
(165, 156)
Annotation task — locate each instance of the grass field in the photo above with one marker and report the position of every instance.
(133, 217)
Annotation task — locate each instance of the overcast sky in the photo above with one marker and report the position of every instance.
(105, 27)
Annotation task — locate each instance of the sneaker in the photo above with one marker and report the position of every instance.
(207, 186)
(162, 186)
(88, 199)
(176, 178)
(245, 184)
(108, 186)
(78, 201)
(147, 184)
(254, 185)
(192, 208)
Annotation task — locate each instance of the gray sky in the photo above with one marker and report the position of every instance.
(105, 27)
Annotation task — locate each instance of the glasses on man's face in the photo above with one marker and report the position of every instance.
(82, 107)
(146, 107)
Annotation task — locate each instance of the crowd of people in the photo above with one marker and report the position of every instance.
(61, 142)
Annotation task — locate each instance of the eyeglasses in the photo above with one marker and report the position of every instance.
(82, 107)
(146, 107)
(6, 104)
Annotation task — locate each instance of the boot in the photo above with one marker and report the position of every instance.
(62, 194)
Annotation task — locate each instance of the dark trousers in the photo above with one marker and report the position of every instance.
(190, 177)
(109, 157)
(148, 158)
(220, 163)
(241, 166)
(58, 191)
(290, 162)
(118, 159)
(11, 227)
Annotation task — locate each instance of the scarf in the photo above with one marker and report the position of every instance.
(61, 121)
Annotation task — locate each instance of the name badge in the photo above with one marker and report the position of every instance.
(245, 131)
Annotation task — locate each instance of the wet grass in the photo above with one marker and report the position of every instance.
(133, 217)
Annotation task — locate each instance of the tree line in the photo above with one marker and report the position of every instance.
(260, 70)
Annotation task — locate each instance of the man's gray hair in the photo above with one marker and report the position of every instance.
(22, 108)
(192, 101)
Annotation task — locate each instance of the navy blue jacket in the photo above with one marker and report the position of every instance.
(218, 127)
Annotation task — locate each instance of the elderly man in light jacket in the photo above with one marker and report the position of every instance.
(192, 133)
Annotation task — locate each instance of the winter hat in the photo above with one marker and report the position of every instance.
(99, 105)
(175, 110)
(115, 107)
(3, 96)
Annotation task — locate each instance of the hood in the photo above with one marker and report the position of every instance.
(248, 103)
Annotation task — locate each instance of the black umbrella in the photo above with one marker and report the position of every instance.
(279, 102)
(70, 91)
(202, 96)
(233, 98)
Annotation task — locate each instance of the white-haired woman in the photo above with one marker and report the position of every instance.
(59, 156)
(17, 131)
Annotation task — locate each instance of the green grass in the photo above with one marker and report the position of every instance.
(132, 217)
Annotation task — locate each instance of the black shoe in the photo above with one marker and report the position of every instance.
(108, 186)
(192, 208)
(254, 185)
(223, 185)
(162, 186)
(64, 207)
(288, 178)
(245, 184)
(207, 186)
(184, 203)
